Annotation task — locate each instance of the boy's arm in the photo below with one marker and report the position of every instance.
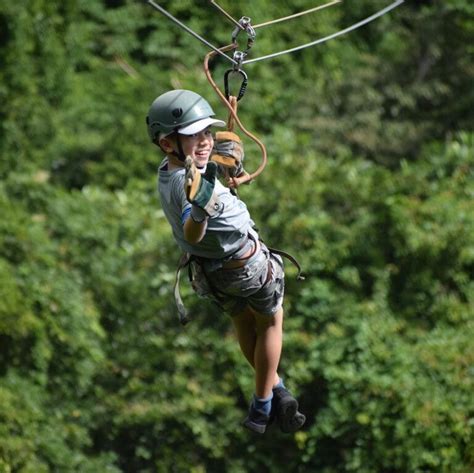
(193, 219)
(195, 228)
(205, 203)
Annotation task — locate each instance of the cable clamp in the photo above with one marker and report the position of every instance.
(238, 57)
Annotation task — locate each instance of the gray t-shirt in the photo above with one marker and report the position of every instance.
(225, 233)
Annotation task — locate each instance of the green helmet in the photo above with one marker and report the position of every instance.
(176, 110)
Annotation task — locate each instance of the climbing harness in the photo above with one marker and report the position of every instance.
(185, 261)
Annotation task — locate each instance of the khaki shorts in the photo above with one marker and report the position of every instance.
(259, 284)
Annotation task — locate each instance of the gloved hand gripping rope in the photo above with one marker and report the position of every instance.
(228, 152)
(199, 188)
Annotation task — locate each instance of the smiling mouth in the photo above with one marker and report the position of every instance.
(202, 154)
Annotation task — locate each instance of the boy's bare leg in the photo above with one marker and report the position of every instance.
(267, 353)
(260, 339)
(245, 324)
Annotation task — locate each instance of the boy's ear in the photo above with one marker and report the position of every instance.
(166, 144)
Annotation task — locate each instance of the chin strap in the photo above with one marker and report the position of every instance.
(180, 154)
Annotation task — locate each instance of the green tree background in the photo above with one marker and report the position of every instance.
(370, 182)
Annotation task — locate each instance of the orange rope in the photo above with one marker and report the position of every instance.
(233, 117)
(230, 121)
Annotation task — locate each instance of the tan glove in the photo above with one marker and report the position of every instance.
(228, 152)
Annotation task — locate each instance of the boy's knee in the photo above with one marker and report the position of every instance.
(265, 321)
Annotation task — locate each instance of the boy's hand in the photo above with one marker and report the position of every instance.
(228, 152)
(199, 188)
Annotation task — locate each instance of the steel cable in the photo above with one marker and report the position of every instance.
(188, 30)
(334, 35)
(296, 15)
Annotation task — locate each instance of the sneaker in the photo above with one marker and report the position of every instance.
(285, 410)
(256, 420)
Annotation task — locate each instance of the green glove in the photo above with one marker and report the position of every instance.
(200, 190)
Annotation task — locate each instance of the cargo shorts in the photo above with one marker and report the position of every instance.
(260, 284)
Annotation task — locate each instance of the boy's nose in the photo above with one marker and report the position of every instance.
(204, 136)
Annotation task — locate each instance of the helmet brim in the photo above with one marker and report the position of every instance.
(200, 125)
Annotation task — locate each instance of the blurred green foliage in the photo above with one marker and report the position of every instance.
(370, 182)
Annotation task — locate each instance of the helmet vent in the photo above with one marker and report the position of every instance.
(177, 112)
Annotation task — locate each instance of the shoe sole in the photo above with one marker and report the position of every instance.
(254, 427)
(289, 419)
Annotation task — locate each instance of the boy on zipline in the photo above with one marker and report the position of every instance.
(229, 263)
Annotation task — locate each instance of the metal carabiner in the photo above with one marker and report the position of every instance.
(245, 25)
(243, 85)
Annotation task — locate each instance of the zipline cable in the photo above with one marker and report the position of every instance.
(296, 15)
(238, 64)
(189, 30)
(334, 35)
(227, 15)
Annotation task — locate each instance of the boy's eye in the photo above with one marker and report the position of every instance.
(205, 132)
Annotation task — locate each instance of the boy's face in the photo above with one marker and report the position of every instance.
(198, 146)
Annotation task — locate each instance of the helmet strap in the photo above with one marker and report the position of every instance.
(180, 154)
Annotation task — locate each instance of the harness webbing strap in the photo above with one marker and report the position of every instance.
(284, 254)
(184, 261)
